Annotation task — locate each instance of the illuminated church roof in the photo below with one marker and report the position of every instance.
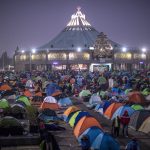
(77, 33)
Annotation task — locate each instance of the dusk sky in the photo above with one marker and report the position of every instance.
(32, 23)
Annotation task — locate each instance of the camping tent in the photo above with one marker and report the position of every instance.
(111, 109)
(138, 117)
(65, 102)
(120, 111)
(145, 127)
(84, 93)
(4, 104)
(85, 123)
(73, 117)
(53, 106)
(95, 99)
(137, 107)
(50, 99)
(105, 142)
(24, 99)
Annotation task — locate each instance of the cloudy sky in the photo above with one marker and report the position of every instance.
(32, 23)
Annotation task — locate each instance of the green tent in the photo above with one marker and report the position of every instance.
(137, 107)
(84, 93)
(72, 119)
(102, 80)
(146, 92)
(25, 100)
(127, 91)
(4, 104)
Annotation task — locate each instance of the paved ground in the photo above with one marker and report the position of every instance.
(144, 140)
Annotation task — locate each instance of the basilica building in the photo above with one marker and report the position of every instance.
(79, 46)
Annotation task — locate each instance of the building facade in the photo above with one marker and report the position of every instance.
(81, 47)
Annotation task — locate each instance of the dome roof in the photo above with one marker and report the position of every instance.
(77, 34)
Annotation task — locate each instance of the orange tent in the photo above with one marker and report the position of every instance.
(70, 110)
(53, 106)
(111, 109)
(28, 93)
(56, 93)
(85, 123)
(5, 87)
(136, 98)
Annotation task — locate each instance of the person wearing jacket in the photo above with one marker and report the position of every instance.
(125, 119)
(116, 126)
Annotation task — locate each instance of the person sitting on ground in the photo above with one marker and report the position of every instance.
(132, 145)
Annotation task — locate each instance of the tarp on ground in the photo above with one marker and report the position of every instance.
(105, 142)
(111, 109)
(85, 123)
(138, 117)
(4, 104)
(65, 102)
(120, 111)
(24, 99)
(145, 127)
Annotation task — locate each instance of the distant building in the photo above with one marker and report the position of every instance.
(79, 46)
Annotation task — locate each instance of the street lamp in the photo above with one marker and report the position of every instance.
(22, 51)
(143, 50)
(79, 49)
(30, 57)
(124, 49)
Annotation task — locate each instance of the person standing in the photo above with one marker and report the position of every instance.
(116, 126)
(125, 119)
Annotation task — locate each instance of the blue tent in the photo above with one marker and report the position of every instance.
(65, 102)
(105, 142)
(51, 88)
(120, 111)
(80, 115)
(91, 133)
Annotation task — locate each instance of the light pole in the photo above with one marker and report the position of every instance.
(30, 58)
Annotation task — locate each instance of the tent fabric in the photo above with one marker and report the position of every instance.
(5, 87)
(50, 99)
(111, 109)
(95, 99)
(138, 117)
(145, 127)
(49, 112)
(73, 117)
(70, 110)
(137, 107)
(105, 142)
(85, 123)
(56, 93)
(27, 93)
(51, 89)
(84, 93)
(136, 97)
(120, 111)
(80, 115)
(91, 133)
(24, 99)
(4, 104)
(65, 102)
(52, 106)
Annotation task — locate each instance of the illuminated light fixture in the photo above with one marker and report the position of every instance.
(143, 55)
(79, 49)
(33, 51)
(91, 48)
(141, 62)
(22, 51)
(124, 49)
(55, 63)
(143, 49)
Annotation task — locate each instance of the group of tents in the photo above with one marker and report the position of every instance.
(134, 105)
(84, 124)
